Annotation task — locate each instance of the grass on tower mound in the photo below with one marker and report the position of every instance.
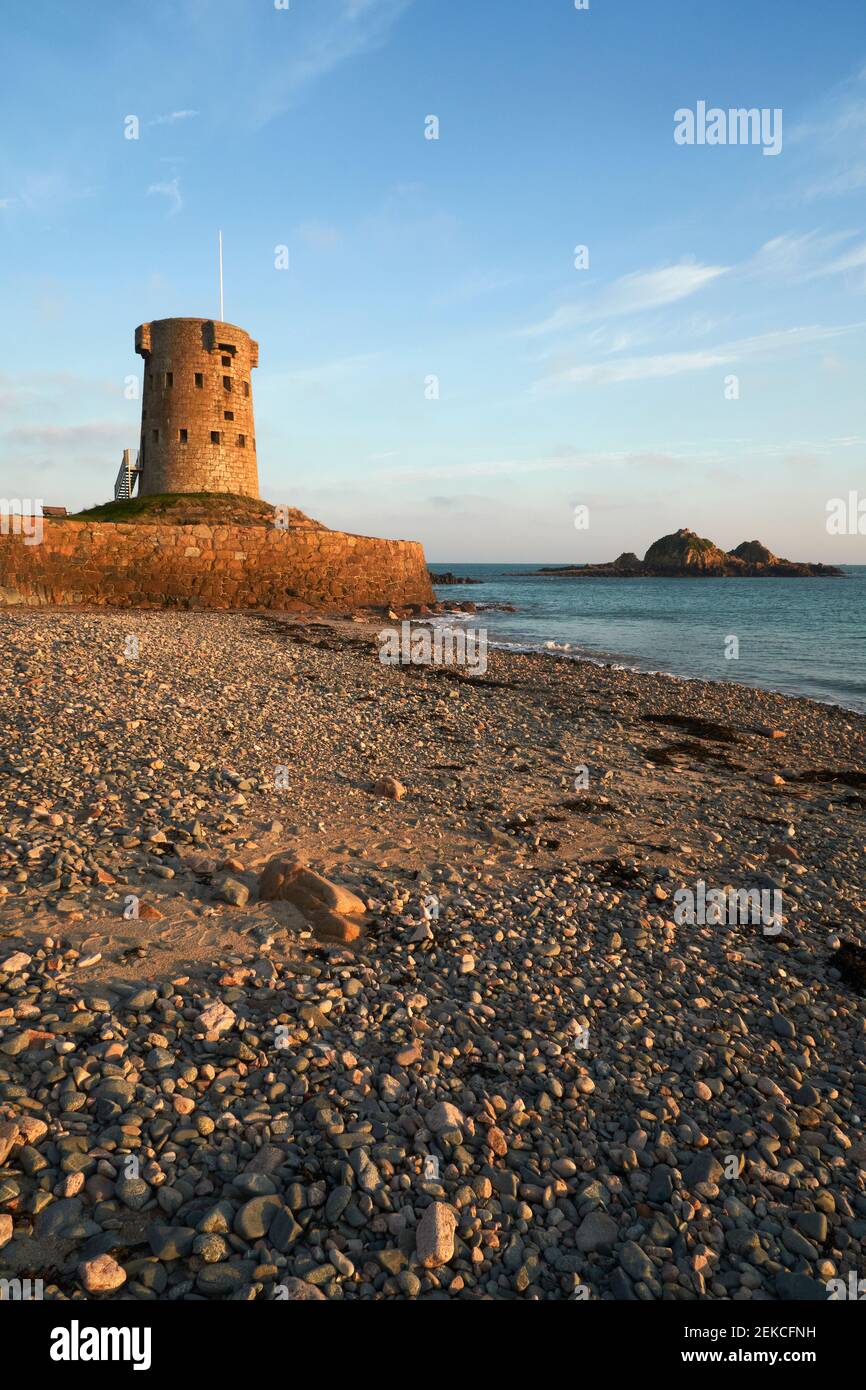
(189, 508)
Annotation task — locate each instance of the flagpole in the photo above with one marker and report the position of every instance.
(222, 306)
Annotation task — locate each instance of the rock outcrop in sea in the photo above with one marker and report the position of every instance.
(685, 554)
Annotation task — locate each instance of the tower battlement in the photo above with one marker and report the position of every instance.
(197, 427)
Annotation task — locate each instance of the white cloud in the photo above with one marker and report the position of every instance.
(561, 460)
(671, 364)
(810, 256)
(855, 259)
(409, 216)
(473, 286)
(793, 255)
(633, 294)
(311, 382)
(638, 368)
(63, 436)
(847, 116)
(343, 29)
(171, 191)
(837, 184)
(320, 235)
(173, 117)
(45, 192)
(832, 142)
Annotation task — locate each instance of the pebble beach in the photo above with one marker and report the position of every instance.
(326, 979)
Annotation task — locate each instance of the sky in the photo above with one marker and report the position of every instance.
(439, 361)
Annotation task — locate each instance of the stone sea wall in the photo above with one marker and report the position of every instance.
(136, 565)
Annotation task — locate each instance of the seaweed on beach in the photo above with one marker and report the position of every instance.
(449, 673)
(586, 805)
(616, 872)
(670, 755)
(698, 728)
(850, 961)
(848, 777)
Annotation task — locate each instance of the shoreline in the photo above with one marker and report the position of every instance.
(554, 650)
(525, 1078)
(623, 665)
(794, 642)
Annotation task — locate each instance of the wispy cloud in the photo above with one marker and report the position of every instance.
(633, 294)
(52, 392)
(410, 215)
(798, 258)
(793, 256)
(342, 30)
(473, 286)
(560, 460)
(171, 191)
(45, 192)
(833, 142)
(846, 115)
(173, 117)
(320, 235)
(855, 259)
(321, 379)
(61, 436)
(672, 364)
(846, 180)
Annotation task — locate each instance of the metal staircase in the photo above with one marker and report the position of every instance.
(127, 477)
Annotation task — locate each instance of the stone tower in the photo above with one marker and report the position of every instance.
(197, 430)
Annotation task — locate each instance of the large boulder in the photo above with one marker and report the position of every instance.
(335, 913)
(335, 926)
(291, 880)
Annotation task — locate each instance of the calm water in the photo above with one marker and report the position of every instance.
(801, 636)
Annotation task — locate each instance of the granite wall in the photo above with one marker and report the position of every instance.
(122, 564)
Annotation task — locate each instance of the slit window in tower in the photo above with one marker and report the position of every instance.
(246, 388)
(169, 379)
(214, 436)
(228, 415)
(227, 383)
(183, 436)
(199, 380)
(227, 361)
(242, 441)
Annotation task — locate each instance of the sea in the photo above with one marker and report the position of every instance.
(798, 636)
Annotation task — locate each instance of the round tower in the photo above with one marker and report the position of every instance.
(197, 430)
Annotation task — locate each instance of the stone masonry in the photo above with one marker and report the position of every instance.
(138, 565)
(197, 428)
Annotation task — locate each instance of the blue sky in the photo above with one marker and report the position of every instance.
(412, 258)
